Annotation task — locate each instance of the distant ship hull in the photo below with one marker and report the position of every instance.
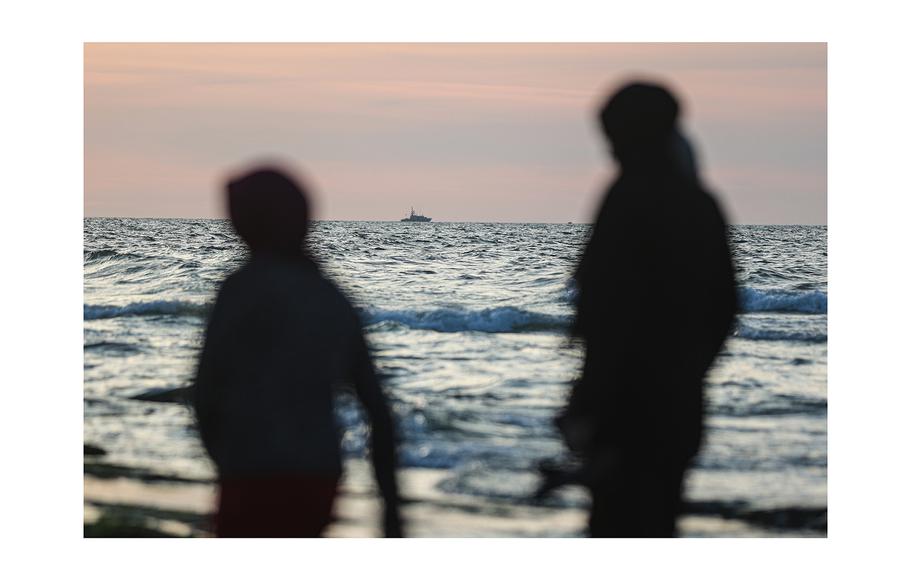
(415, 218)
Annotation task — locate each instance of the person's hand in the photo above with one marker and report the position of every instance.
(391, 522)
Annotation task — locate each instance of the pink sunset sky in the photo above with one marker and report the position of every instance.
(463, 132)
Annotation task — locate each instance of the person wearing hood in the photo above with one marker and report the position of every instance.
(656, 300)
(281, 340)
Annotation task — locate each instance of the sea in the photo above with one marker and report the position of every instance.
(468, 324)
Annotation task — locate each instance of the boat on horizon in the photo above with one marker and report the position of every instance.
(415, 218)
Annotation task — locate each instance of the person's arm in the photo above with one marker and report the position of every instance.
(382, 437)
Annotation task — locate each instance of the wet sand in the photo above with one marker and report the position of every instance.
(123, 505)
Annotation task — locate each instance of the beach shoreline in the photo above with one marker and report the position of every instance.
(126, 504)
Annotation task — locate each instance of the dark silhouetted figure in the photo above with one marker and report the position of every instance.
(281, 339)
(656, 300)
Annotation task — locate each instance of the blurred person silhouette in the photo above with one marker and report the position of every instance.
(281, 339)
(656, 299)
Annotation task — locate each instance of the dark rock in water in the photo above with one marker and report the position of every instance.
(90, 450)
(182, 395)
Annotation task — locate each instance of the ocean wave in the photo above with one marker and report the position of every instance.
(778, 405)
(491, 320)
(748, 332)
(109, 254)
(112, 347)
(756, 300)
(154, 308)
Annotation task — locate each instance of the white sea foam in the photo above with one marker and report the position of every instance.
(490, 320)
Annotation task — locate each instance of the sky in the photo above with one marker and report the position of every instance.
(461, 132)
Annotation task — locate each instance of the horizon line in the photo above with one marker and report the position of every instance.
(84, 217)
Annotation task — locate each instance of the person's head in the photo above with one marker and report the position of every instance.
(269, 210)
(640, 121)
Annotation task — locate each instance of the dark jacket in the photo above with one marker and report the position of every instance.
(656, 300)
(280, 340)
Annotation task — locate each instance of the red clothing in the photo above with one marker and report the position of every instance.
(293, 505)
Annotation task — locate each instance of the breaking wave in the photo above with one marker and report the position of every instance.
(755, 300)
(490, 320)
(155, 308)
